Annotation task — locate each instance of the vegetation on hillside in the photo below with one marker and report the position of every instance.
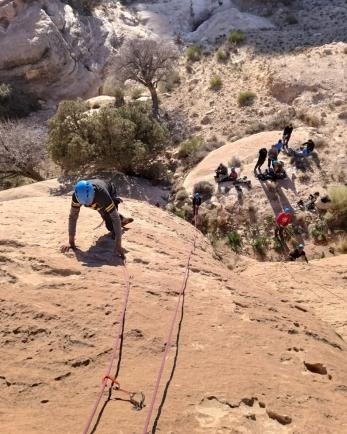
(127, 138)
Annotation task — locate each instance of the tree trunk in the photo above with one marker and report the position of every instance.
(155, 101)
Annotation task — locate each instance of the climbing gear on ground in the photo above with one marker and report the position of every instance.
(84, 192)
(137, 399)
(116, 346)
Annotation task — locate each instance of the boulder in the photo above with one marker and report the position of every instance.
(101, 102)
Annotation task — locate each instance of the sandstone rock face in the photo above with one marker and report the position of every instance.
(252, 351)
(45, 45)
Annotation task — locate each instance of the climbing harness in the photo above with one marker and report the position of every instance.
(116, 346)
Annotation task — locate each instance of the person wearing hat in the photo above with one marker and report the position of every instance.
(97, 195)
(196, 203)
(283, 219)
(297, 253)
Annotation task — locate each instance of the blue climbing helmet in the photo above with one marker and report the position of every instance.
(197, 195)
(84, 192)
(301, 246)
(288, 210)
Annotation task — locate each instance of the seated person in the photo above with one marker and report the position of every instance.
(221, 170)
(278, 167)
(233, 174)
(297, 253)
(305, 149)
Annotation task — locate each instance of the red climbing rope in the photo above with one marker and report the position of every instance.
(114, 352)
(169, 338)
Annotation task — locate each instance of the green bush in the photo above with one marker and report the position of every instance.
(215, 82)
(246, 98)
(193, 53)
(336, 216)
(15, 103)
(319, 231)
(125, 138)
(222, 54)
(236, 37)
(260, 244)
(190, 146)
(205, 188)
(235, 241)
(181, 195)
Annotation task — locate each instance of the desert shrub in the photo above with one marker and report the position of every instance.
(205, 188)
(336, 216)
(235, 162)
(236, 37)
(319, 231)
(235, 240)
(179, 212)
(15, 103)
(171, 80)
(260, 244)
(193, 53)
(188, 147)
(222, 54)
(136, 92)
(203, 150)
(342, 244)
(309, 119)
(291, 19)
(246, 98)
(215, 82)
(22, 152)
(278, 244)
(181, 195)
(125, 138)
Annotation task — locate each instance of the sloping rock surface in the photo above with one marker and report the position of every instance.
(239, 365)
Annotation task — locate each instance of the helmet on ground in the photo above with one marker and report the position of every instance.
(84, 192)
(288, 210)
(301, 246)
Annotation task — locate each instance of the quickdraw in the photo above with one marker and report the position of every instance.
(137, 399)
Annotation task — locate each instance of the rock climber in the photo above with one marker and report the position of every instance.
(283, 219)
(261, 159)
(287, 132)
(98, 195)
(196, 204)
(297, 253)
(272, 155)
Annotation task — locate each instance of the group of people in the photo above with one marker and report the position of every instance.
(275, 168)
(102, 197)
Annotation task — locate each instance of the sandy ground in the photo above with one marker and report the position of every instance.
(237, 362)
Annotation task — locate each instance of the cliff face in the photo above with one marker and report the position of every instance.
(253, 353)
(51, 50)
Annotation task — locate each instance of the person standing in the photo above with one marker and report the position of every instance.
(283, 219)
(287, 132)
(272, 155)
(279, 146)
(196, 204)
(261, 159)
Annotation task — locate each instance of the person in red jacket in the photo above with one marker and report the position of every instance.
(283, 219)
